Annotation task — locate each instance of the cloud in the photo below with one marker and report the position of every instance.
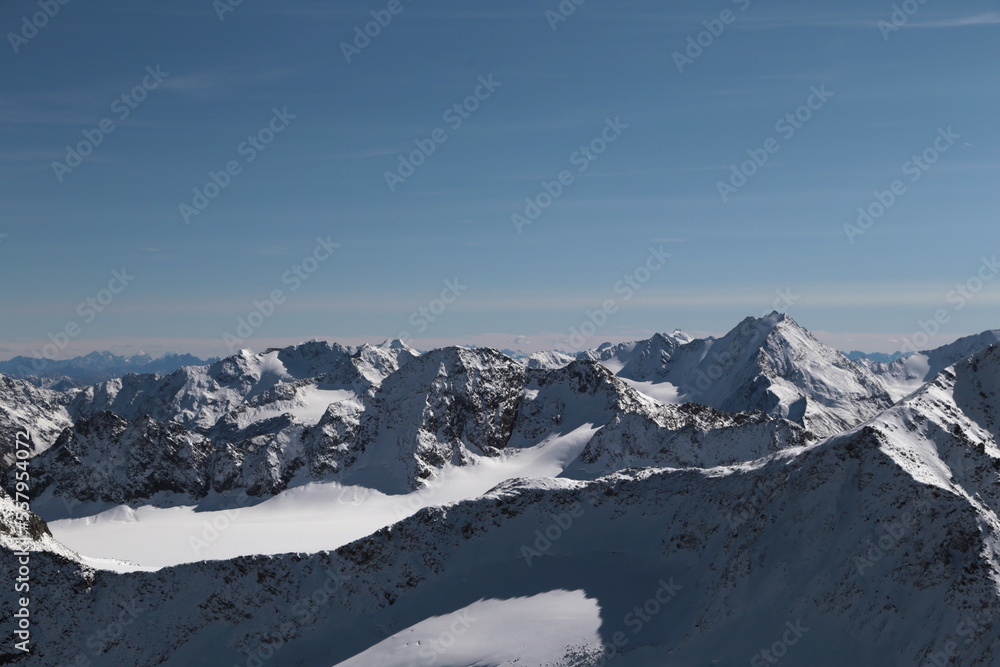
(220, 81)
(992, 18)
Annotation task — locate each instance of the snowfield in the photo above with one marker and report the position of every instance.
(310, 519)
(505, 633)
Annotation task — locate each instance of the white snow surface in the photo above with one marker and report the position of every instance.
(307, 519)
(519, 632)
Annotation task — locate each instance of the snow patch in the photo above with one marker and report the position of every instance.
(536, 630)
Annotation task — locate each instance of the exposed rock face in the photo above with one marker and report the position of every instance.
(441, 408)
(25, 408)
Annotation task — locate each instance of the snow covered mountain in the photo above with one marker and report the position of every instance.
(302, 380)
(886, 535)
(903, 376)
(449, 407)
(768, 364)
(25, 407)
(249, 423)
(667, 502)
(547, 360)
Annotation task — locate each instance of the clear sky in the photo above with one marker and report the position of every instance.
(641, 122)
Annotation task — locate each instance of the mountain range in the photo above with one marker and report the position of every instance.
(753, 498)
(94, 367)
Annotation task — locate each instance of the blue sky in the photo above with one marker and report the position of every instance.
(655, 188)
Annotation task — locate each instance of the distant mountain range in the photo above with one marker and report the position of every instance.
(99, 366)
(880, 357)
(94, 367)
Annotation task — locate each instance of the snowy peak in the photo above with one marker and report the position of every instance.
(377, 363)
(395, 344)
(768, 364)
(200, 396)
(962, 348)
(813, 383)
(946, 434)
(649, 358)
(546, 360)
(638, 357)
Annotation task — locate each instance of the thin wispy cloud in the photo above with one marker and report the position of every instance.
(992, 18)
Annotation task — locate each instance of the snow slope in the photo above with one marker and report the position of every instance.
(506, 633)
(904, 376)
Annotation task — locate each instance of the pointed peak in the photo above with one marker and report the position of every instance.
(762, 328)
(775, 318)
(681, 336)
